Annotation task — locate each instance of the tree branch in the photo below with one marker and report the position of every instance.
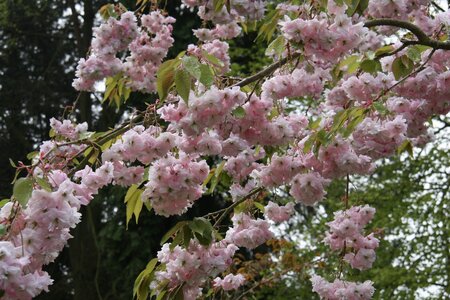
(422, 37)
(267, 71)
(229, 208)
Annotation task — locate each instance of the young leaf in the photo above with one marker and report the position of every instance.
(384, 50)
(207, 75)
(43, 184)
(22, 190)
(134, 203)
(212, 59)
(4, 201)
(238, 112)
(192, 65)
(276, 46)
(259, 206)
(172, 231)
(164, 82)
(370, 66)
(183, 84)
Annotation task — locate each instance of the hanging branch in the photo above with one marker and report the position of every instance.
(422, 37)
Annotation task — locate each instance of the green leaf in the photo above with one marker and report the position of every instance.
(406, 146)
(362, 6)
(216, 177)
(218, 5)
(352, 6)
(277, 46)
(314, 124)
(2, 230)
(172, 231)
(379, 107)
(259, 206)
(384, 50)
(22, 190)
(199, 225)
(402, 66)
(192, 65)
(4, 201)
(207, 75)
(350, 64)
(322, 137)
(212, 59)
(370, 66)
(238, 112)
(183, 84)
(32, 155)
(141, 287)
(110, 87)
(134, 203)
(164, 82)
(161, 295)
(165, 77)
(352, 125)
(413, 53)
(208, 179)
(269, 26)
(11, 162)
(309, 143)
(52, 133)
(43, 184)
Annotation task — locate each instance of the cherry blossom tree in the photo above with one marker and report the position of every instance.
(352, 82)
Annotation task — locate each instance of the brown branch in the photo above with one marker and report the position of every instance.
(229, 208)
(267, 71)
(422, 37)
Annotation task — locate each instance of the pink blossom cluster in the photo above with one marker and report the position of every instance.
(342, 290)
(256, 127)
(208, 143)
(147, 46)
(240, 166)
(346, 233)
(365, 88)
(278, 214)
(323, 40)
(204, 111)
(237, 191)
(379, 138)
(216, 48)
(175, 183)
(220, 31)
(55, 156)
(147, 51)
(338, 159)
(308, 188)
(430, 25)
(280, 171)
(13, 281)
(142, 144)
(67, 129)
(193, 265)
(110, 38)
(297, 84)
(398, 9)
(229, 282)
(248, 232)
(240, 10)
(40, 230)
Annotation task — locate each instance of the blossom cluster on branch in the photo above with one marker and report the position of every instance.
(369, 101)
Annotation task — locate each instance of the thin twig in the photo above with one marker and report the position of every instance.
(229, 208)
(267, 71)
